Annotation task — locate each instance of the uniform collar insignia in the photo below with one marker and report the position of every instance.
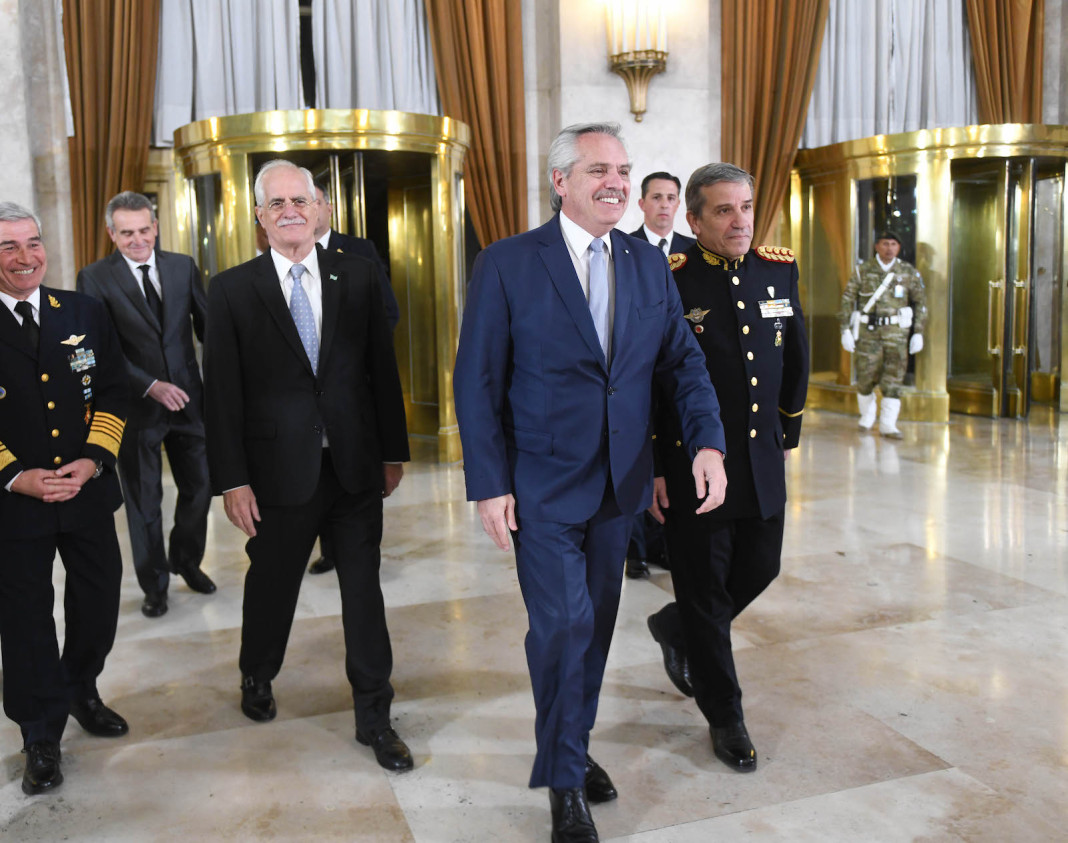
(696, 315)
(73, 339)
(712, 259)
(52, 300)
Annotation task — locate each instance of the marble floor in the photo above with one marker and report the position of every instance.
(906, 677)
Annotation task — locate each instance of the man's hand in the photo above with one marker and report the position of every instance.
(391, 477)
(660, 499)
(174, 398)
(498, 518)
(241, 509)
(709, 478)
(57, 485)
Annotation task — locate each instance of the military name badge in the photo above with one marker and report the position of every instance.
(774, 308)
(82, 359)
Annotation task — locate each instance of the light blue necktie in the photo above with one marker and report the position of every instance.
(301, 308)
(599, 291)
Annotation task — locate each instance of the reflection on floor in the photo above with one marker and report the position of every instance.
(904, 677)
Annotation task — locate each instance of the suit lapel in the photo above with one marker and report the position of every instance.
(172, 293)
(265, 283)
(131, 288)
(53, 327)
(626, 275)
(557, 260)
(11, 331)
(331, 284)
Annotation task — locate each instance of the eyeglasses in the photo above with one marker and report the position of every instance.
(275, 206)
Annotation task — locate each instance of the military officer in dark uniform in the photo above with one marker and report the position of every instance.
(63, 398)
(742, 305)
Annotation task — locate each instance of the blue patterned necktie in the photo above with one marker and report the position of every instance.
(301, 308)
(599, 291)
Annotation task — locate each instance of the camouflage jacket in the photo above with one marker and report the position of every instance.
(906, 290)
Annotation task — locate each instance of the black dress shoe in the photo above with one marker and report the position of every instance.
(572, 822)
(97, 719)
(390, 751)
(197, 580)
(42, 772)
(155, 604)
(733, 747)
(257, 701)
(599, 787)
(636, 569)
(675, 662)
(321, 565)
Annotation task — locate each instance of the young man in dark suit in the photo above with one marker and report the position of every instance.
(156, 301)
(62, 412)
(659, 202)
(565, 329)
(306, 433)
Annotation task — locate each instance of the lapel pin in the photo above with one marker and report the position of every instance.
(52, 300)
(333, 277)
(73, 339)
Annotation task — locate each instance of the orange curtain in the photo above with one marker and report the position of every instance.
(771, 49)
(1007, 51)
(478, 56)
(111, 64)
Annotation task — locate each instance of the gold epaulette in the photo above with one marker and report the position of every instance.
(779, 254)
(106, 430)
(6, 457)
(676, 261)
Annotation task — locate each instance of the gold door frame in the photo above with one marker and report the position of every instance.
(927, 155)
(223, 146)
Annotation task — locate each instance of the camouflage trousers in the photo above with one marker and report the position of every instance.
(881, 359)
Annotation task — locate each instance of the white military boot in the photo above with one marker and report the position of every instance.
(868, 409)
(888, 418)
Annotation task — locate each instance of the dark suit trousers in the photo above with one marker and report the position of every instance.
(278, 553)
(38, 682)
(140, 471)
(570, 575)
(718, 567)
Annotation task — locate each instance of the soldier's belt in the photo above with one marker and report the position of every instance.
(874, 322)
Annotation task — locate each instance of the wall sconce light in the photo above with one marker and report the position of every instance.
(637, 45)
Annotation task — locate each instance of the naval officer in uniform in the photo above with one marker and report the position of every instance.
(743, 308)
(63, 398)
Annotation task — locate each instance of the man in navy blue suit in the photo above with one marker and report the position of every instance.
(565, 330)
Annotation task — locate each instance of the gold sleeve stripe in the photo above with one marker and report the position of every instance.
(6, 457)
(791, 415)
(106, 431)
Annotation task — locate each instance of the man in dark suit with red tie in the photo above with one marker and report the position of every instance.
(156, 301)
(306, 433)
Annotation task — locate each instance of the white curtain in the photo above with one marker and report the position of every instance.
(373, 54)
(222, 57)
(891, 66)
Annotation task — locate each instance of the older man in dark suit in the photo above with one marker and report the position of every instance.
(62, 412)
(306, 433)
(565, 330)
(156, 301)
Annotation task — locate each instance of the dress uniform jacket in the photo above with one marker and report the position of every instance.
(746, 316)
(65, 400)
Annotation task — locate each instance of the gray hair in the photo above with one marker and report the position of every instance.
(14, 212)
(127, 201)
(564, 154)
(711, 174)
(257, 187)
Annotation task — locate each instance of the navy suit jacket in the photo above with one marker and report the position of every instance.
(364, 248)
(541, 414)
(679, 242)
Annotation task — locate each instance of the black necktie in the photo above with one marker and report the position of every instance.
(154, 304)
(29, 327)
(662, 243)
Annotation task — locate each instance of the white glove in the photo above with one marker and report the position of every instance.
(916, 344)
(847, 341)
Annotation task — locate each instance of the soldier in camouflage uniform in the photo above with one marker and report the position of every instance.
(880, 336)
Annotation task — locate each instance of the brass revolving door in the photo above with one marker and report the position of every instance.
(395, 179)
(982, 212)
